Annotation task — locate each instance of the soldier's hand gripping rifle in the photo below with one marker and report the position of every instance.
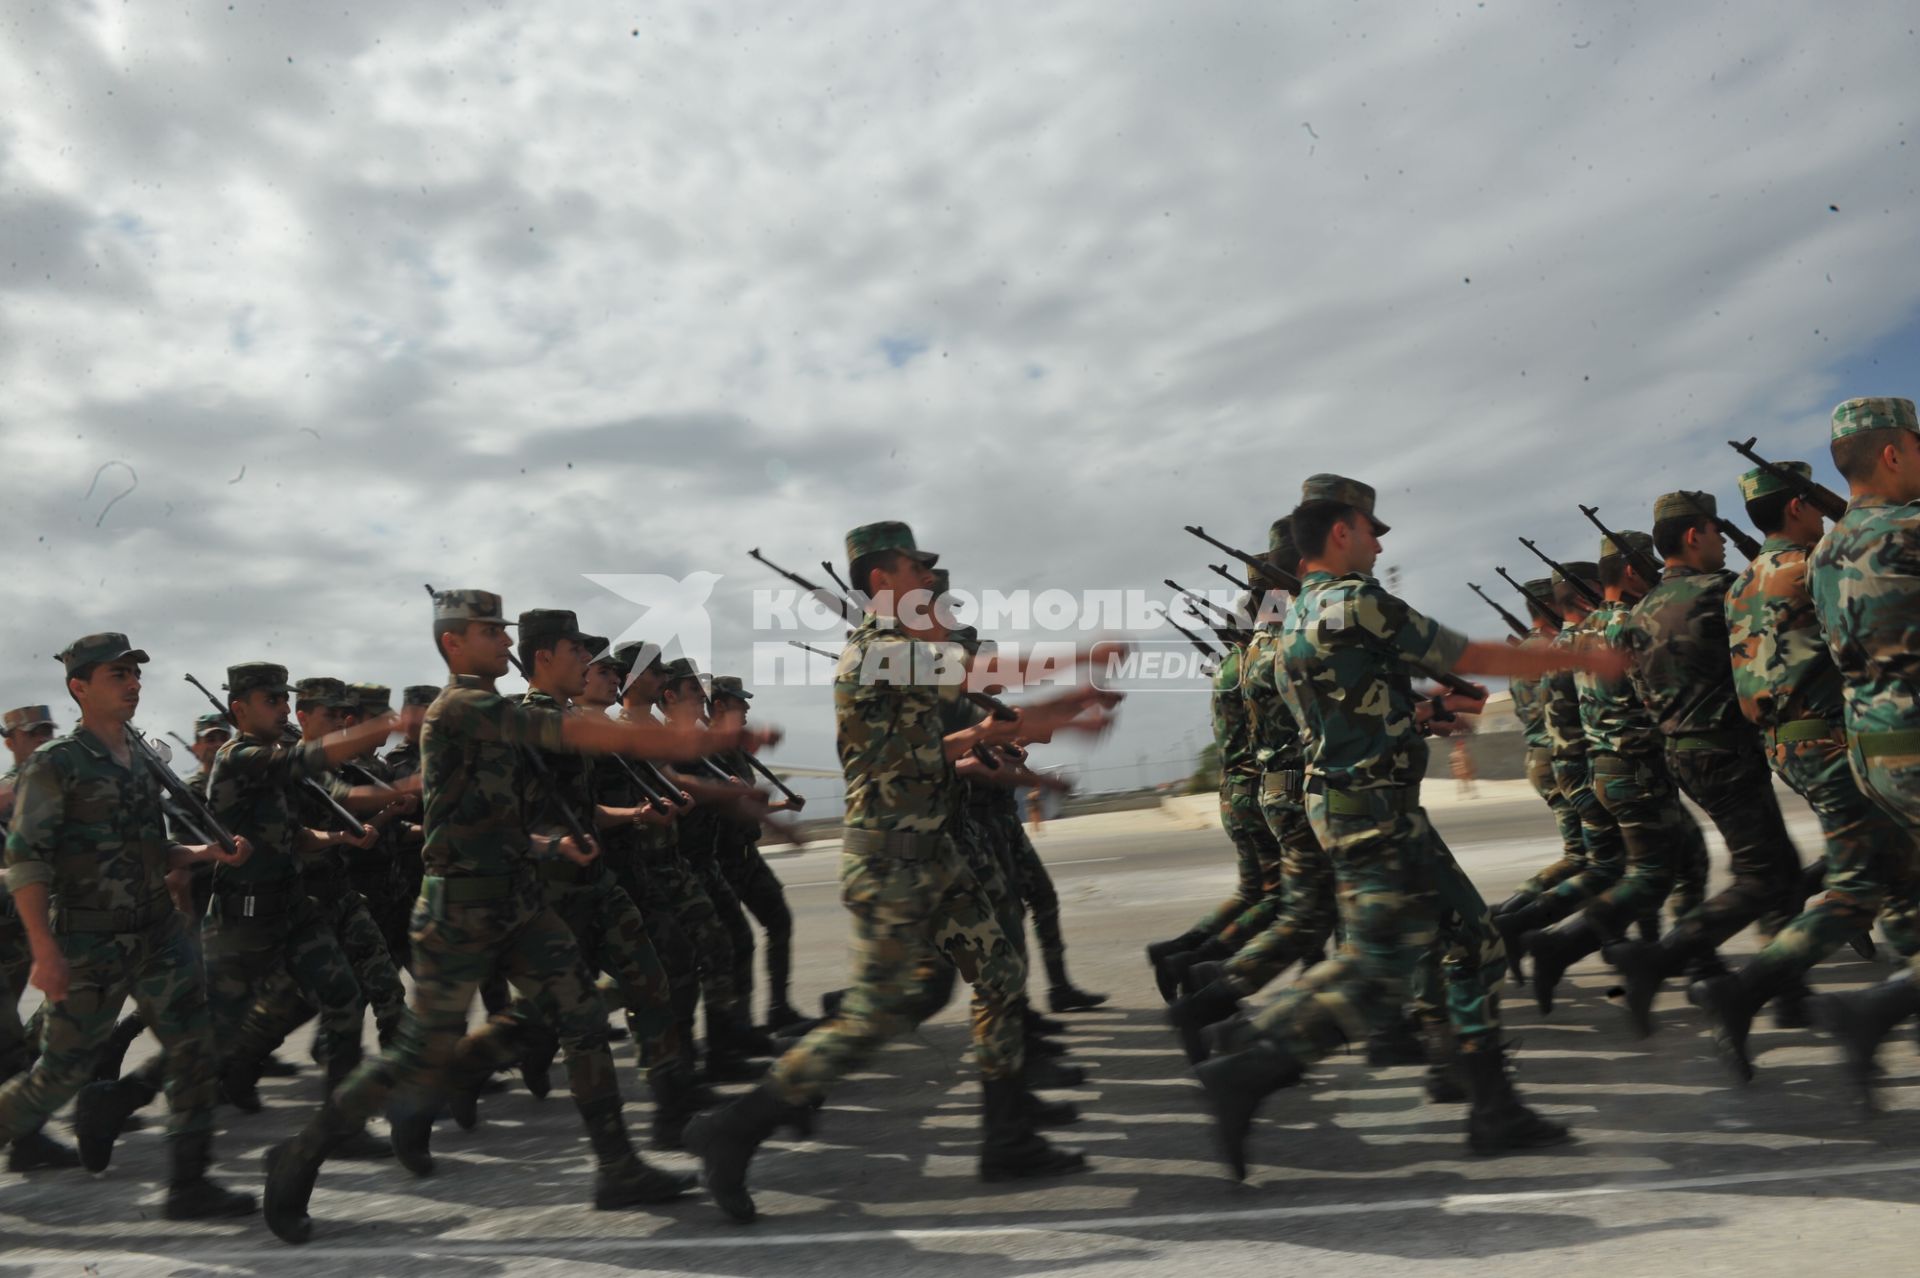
(1817, 495)
(198, 817)
(1513, 623)
(349, 822)
(1582, 587)
(1544, 606)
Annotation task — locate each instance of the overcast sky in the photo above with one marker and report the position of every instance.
(503, 295)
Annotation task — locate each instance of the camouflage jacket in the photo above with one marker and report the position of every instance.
(88, 828)
(252, 795)
(471, 783)
(1232, 728)
(1346, 658)
(1682, 670)
(1866, 590)
(1560, 704)
(1782, 670)
(1270, 724)
(402, 761)
(1610, 713)
(888, 697)
(569, 780)
(1530, 708)
(613, 786)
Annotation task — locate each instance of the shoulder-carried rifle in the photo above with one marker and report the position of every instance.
(349, 822)
(1817, 495)
(1584, 588)
(1545, 606)
(1514, 623)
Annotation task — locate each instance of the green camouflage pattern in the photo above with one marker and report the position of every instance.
(471, 780)
(1657, 831)
(1306, 902)
(1347, 680)
(1560, 700)
(888, 534)
(88, 829)
(251, 793)
(1348, 492)
(1257, 859)
(468, 605)
(889, 698)
(1232, 725)
(26, 717)
(1763, 482)
(1685, 503)
(1566, 819)
(255, 676)
(1610, 713)
(1530, 708)
(1865, 578)
(1782, 668)
(1874, 413)
(420, 694)
(91, 650)
(1677, 638)
(246, 955)
(1735, 789)
(1274, 735)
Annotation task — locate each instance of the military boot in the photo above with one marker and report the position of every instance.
(1397, 1044)
(239, 1083)
(725, 1141)
(673, 1103)
(190, 1195)
(1498, 1121)
(113, 1052)
(293, 1168)
(1446, 1077)
(1183, 965)
(1010, 1148)
(1158, 954)
(1191, 1014)
(37, 1151)
(1511, 920)
(1733, 1001)
(536, 1060)
(100, 1114)
(1557, 949)
(1790, 1004)
(360, 1144)
(622, 1178)
(410, 1127)
(1046, 1113)
(1235, 1084)
(1860, 1019)
(1644, 968)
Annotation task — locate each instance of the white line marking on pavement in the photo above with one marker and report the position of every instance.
(487, 1247)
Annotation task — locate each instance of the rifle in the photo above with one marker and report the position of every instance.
(1232, 636)
(538, 766)
(1279, 577)
(353, 824)
(1742, 540)
(836, 579)
(849, 613)
(818, 652)
(1586, 591)
(1642, 562)
(1545, 606)
(1513, 623)
(204, 822)
(1194, 639)
(1817, 495)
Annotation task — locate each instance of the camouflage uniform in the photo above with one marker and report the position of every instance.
(1678, 639)
(376, 871)
(1605, 851)
(1256, 897)
(902, 877)
(91, 831)
(16, 959)
(263, 922)
(1530, 708)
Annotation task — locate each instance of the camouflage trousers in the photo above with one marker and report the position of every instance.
(612, 938)
(279, 1007)
(245, 956)
(990, 861)
(455, 948)
(902, 907)
(157, 968)
(1659, 833)
(1307, 905)
(758, 889)
(1866, 850)
(1256, 896)
(1734, 787)
(16, 961)
(1605, 852)
(1403, 899)
(1035, 886)
(1573, 848)
(732, 918)
(384, 890)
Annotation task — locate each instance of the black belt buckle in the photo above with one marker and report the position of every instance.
(246, 905)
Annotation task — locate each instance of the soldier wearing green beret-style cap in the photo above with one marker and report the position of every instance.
(1865, 578)
(1679, 638)
(87, 854)
(483, 912)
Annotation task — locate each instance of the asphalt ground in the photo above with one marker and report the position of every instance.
(1675, 1169)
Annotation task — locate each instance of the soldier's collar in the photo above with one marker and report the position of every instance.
(1780, 541)
(93, 745)
(469, 681)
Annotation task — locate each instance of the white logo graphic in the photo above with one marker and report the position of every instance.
(674, 610)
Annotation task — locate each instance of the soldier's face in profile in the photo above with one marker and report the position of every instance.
(24, 741)
(567, 668)
(316, 720)
(602, 685)
(481, 649)
(111, 689)
(1713, 548)
(1364, 545)
(261, 713)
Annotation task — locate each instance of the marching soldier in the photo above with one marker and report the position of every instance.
(27, 729)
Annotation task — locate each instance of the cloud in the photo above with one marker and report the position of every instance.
(536, 292)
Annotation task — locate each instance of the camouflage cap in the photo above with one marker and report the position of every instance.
(468, 605)
(1630, 543)
(420, 694)
(1280, 545)
(372, 698)
(542, 626)
(256, 676)
(1348, 492)
(27, 717)
(211, 721)
(91, 650)
(680, 668)
(1857, 415)
(1580, 568)
(730, 686)
(326, 691)
(889, 534)
(1761, 482)
(1685, 504)
(599, 647)
(1539, 587)
(636, 651)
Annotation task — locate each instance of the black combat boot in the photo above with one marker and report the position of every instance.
(293, 1168)
(830, 1003)
(1183, 965)
(190, 1195)
(274, 1067)
(1733, 1001)
(1644, 968)
(106, 1066)
(1158, 954)
(385, 1030)
(1191, 1015)
(1446, 1077)
(536, 1060)
(1498, 1121)
(1557, 949)
(239, 1083)
(673, 1103)
(360, 1144)
(1010, 1148)
(1062, 994)
(725, 1140)
(410, 1127)
(1790, 1004)
(1512, 920)
(1397, 1044)
(1235, 1084)
(37, 1151)
(623, 1178)
(1860, 1019)
(101, 1110)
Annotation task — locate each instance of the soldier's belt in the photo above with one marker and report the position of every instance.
(467, 889)
(1874, 745)
(1399, 798)
(1806, 730)
(1725, 739)
(260, 900)
(130, 919)
(906, 845)
(1288, 784)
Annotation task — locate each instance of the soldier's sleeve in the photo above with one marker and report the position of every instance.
(39, 809)
(289, 764)
(1406, 631)
(496, 718)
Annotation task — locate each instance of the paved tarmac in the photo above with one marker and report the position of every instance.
(1675, 1170)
